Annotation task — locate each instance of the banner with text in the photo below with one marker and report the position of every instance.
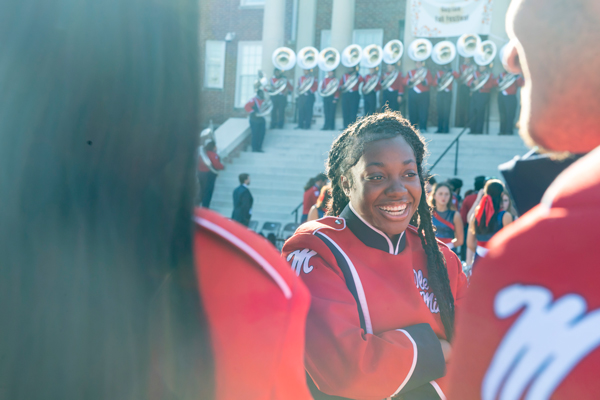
(445, 18)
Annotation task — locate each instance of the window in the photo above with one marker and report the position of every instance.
(249, 62)
(252, 3)
(214, 68)
(365, 37)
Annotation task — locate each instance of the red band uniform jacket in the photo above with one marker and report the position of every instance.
(253, 105)
(354, 88)
(256, 311)
(313, 87)
(374, 323)
(324, 84)
(398, 84)
(440, 74)
(214, 159)
(377, 86)
(530, 326)
(512, 89)
(491, 82)
(288, 86)
(424, 85)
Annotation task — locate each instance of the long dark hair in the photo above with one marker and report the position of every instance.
(345, 153)
(98, 130)
(493, 188)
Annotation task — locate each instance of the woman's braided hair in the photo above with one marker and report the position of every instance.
(345, 153)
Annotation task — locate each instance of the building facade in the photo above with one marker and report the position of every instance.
(238, 37)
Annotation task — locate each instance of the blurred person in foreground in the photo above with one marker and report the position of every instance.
(531, 325)
(100, 253)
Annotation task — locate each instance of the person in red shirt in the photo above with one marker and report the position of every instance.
(306, 100)
(208, 166)
(312, 189)
(329, 102)
(392, 94)
(507, 100)
(480, 98)
(350, 95)
(444, 98)
(370, 98)
(530, 327)
(256, 310)
(384, 292)
(465, 207)
(418, 96)
(257, 123)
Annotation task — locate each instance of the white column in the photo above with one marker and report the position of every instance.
(342, 23)
(307, 17)
(273, 32)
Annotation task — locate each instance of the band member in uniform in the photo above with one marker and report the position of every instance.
(481, 85)
(463, 97)
(480, 98)
(444, 97)
(307, 86)
(418, 81)
(507, 100)
(350, 83)
(372, 56)
(279, 100)
(350, 97)
(443, 54)
(370, 333)
(255, 108)
(370, 98)
(209, 166)
(330, 101)
(391, 93)
(530, 328)
(466, 46)
(328, 61)
(392, 81)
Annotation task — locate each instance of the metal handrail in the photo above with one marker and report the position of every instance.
(295, 211)
(456, 140)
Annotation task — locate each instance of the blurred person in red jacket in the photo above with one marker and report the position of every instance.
(312, 189)
(209, 165)
(384, 291)
(109, 288)
(531, 325)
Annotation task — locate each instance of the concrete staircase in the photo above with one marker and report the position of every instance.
(291, 157)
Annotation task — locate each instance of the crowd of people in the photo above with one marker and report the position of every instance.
(115, 286)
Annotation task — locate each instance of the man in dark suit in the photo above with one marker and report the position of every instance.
(242, 201)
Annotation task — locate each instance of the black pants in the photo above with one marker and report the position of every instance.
(370, 103)
(257, 127)
(444, 102)
(418, 109)
(329, 107)
(207, 186)
(390, 97)
(479, 103)
(350, 102)
(507, 105)
(463, 102)
(305, 110)
(278, 113)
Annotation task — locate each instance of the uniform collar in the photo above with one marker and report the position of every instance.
(370, 235)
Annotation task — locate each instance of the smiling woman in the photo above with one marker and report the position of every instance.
(383, 289)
